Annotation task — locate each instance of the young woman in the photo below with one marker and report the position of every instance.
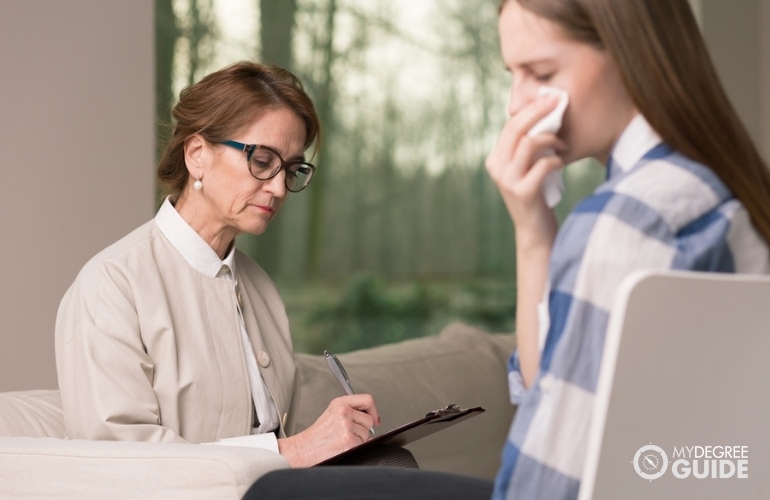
(686, 189)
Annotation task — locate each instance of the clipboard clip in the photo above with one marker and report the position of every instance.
(449, 409)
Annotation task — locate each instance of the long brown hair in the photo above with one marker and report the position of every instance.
(667, 71)
(224, 102)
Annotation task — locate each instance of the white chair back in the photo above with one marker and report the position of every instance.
(683, 390)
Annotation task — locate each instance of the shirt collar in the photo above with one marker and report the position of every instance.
(189, 243)
(634, 143)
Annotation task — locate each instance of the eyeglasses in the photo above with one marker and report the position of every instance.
(265, 163)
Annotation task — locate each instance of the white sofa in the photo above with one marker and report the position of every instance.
(461, 365)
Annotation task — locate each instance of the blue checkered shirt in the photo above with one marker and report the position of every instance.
(657, 210)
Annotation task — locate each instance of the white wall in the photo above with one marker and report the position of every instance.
(76, 158)
(739, 42)
(738, 36)
(764, 76)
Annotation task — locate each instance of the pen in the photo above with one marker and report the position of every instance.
(341, 375)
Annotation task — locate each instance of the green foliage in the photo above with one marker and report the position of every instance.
(370, 312)
(490, 305)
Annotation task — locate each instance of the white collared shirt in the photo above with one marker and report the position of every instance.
(204, 259)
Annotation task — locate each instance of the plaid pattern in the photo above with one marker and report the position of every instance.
(657, 210)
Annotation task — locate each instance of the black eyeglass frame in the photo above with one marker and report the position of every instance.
(250, 149)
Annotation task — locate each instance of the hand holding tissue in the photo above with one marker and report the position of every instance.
(553, 186)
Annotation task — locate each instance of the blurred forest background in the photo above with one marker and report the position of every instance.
(401, 230)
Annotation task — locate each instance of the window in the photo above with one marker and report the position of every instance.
(401, 230)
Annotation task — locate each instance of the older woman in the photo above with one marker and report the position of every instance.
(171, 334)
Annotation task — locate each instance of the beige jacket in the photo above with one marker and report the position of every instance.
(148, 348)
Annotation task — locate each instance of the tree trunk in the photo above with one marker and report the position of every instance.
(324, 103)
(276, 35)
(166, 34)
(277, 31)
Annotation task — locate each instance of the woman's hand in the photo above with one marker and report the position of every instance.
(518, 165)
(344, 424)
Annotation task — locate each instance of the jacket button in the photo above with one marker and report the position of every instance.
(263, 359)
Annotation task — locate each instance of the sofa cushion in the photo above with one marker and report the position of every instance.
(31, 414)
(57, 468)
(462, 365)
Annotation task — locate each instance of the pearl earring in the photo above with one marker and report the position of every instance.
(197, 184)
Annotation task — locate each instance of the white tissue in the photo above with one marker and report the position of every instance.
(553, 186)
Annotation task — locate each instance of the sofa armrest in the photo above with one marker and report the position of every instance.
(79, 469)
(462, 365)
(31, 414)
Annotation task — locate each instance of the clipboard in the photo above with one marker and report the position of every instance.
(432, 422)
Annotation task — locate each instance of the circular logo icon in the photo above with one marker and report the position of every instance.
(650, 461)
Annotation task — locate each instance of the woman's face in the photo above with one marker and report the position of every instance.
(234, 201)
(538, 53)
